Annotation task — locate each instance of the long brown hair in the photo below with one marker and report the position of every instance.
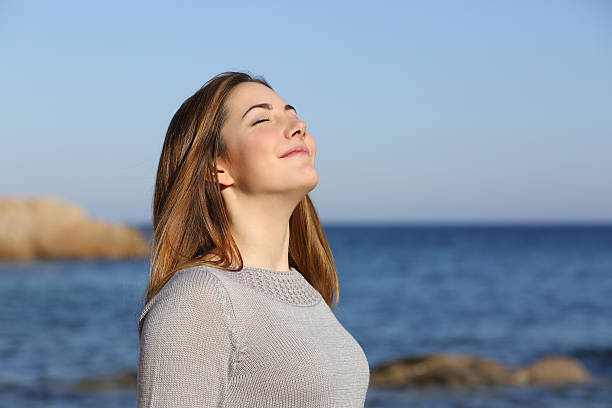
(190, 218)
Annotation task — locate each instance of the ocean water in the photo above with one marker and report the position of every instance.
(509, 293)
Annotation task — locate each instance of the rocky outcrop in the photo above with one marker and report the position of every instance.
(466, 370)
(123, 379)
(551, 370)
(46, 227)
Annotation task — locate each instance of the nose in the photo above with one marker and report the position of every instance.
(299, 127)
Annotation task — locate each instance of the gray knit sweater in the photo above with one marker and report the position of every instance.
(249, 338)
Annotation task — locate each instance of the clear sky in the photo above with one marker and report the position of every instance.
(423, 111)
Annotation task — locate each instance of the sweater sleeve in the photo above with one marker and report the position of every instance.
(186, 346)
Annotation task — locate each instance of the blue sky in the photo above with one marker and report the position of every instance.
(429, 111)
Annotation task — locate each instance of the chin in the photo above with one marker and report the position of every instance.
(306, 184)
(313, 179)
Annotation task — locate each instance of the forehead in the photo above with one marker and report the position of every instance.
(247, 94)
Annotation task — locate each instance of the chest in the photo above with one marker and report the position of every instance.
(300, 351)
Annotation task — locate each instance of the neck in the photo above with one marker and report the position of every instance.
(260, 227)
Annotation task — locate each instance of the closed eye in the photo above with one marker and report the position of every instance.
(261, 120)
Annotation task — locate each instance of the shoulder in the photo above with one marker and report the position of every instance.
(189, 293)
(192, 281)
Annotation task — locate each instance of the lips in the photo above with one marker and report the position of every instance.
(295, 150)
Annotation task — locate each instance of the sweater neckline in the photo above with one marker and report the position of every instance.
(292, 272)
(286, 286)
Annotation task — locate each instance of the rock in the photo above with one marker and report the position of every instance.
(439, 369)
(465, 370)
(46, 227)
(551, 370)
(124, 379)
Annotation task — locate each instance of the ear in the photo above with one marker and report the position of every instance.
(223, 175)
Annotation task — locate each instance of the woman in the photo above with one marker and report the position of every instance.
(239, 294)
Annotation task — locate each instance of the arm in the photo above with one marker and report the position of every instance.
(185, 345)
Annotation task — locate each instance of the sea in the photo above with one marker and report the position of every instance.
(513, 293)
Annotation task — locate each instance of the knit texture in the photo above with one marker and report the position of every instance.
(248, 338)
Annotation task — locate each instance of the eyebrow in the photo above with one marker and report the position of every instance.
(266, 106)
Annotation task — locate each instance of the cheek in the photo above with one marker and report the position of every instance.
(310, 142)
(263, 142)
(256, 151)
(254, 144)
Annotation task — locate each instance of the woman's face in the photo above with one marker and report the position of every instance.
(256, 139)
